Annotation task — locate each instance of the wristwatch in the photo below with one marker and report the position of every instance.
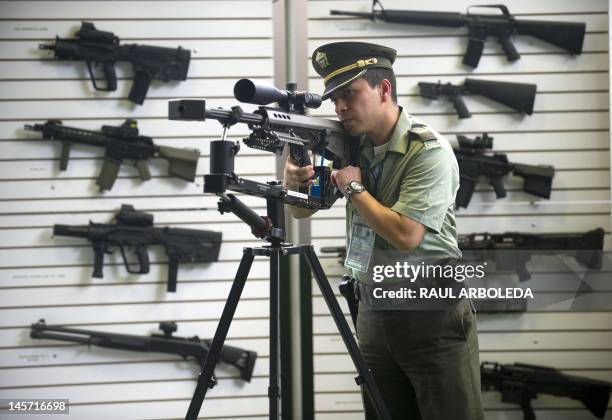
(351, 188)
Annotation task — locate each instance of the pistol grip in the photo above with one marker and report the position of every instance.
(138, 92)
(509, 48)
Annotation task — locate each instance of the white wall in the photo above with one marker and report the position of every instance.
(45, 277)
(569, 130)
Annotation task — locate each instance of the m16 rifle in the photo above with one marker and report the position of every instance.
(518, 96)
(503, 27)
(520, 383)
(188, 348)
(101, 47)
(120, 144)
(135, 229)
(474, 163)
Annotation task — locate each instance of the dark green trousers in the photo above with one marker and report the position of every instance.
(424, 362)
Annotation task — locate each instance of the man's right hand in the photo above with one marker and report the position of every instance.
(295, 176)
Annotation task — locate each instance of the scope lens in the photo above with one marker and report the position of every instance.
(244, 90)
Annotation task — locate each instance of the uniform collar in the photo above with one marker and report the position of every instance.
(398, 142)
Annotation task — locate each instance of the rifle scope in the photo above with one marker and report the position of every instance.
(246, 90)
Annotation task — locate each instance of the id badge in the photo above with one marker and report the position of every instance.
(361, 245)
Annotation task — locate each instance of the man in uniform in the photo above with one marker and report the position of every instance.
(401, 197)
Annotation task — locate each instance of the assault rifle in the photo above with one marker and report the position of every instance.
(520, 383)
(192, 347)
(566, 35)
(586, 248)
(101, 47)
(518, 96)
(120, 144)
(474, 163)
(135, 229)
(274, 129)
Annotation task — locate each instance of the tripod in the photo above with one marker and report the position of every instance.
(274, 225)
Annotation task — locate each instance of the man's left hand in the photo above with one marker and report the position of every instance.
(343, 176)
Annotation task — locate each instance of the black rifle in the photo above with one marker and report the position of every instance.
(474, 163)
(520, 383)
(191, 347)
(135, 229)
(101, 47)
(566, 35)
(121, 144)
(518, 96)
(273, 129)
(586, 248)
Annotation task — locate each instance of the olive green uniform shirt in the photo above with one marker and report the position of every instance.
(417, 176)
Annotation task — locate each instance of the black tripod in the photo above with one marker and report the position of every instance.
(272, 229)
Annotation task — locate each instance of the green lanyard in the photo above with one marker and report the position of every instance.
(375, 175)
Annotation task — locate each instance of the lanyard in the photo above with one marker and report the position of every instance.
(376, 175)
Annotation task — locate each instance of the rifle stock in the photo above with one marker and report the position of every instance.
(518, 96)
(182, 163)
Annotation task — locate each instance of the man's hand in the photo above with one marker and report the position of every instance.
(345, 175)
(295, 176)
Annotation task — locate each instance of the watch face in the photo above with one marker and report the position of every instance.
(356, 186)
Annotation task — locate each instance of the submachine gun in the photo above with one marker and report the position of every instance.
(186, 347)
(135, 229)
(503, 27)
(518, 96)
(474, 163)
(520, 383)
(122, 143)
(101, 47)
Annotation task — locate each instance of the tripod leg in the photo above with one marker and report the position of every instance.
(365, 375)
(208, 367)
(274, 390)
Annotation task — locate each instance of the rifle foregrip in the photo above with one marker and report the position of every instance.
(110, 75)
(98, 260)
(460, 107)
(65, 156)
